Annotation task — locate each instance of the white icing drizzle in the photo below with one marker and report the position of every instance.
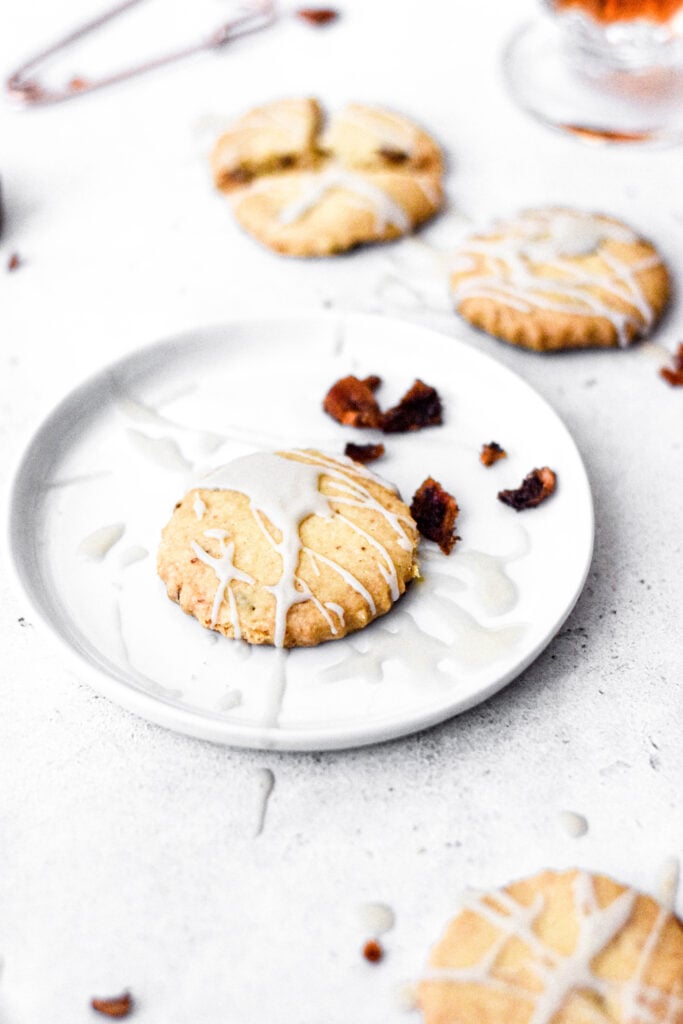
(198, 505)
(315, 185)
(418, 651)
(575, 825)
(431, 191)
(96, 545)
(376, 918)
(164, 451)
(265, 781)
(231, 700)
(492, 586)
(669, 882)
(226, 571)
(286, 492)
(133, 554)
(557, 237)
(562, 975)
(391, 130)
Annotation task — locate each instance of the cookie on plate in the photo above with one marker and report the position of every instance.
(559, 278)
(559, 948)
(304, 189)
(288, 548)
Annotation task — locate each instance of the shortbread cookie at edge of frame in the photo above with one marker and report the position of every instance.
(568, 946)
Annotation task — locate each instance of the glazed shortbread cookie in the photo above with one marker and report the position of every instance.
(288, 548)
(370, 175)
(558, 948)
(559, 278)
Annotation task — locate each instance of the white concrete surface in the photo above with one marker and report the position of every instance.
(127, 853)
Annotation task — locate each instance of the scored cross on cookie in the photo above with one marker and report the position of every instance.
(306, 189)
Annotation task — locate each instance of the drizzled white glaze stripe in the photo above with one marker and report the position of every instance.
(226, 571)
(316, 185)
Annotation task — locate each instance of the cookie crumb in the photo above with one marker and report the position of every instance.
(352, 402)
(536, 486)
(317, 15)
(491, 453)
(435, 511)
(364, 452)
(372, 951)
(14, 262)
(674, 375)
(115, 1006)
(420, 407)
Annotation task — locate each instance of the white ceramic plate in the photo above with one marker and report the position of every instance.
(119, 451)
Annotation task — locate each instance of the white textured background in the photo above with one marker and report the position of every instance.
(127, 855)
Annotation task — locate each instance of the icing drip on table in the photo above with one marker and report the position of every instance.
(575, 825)
(265, 781)
(376, 918)
(316, 185)
(669, 882)
(98, 543)
(285, 491)
(557, 238)
(561, 975)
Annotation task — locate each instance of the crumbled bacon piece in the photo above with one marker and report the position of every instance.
(536, 486)
(352, 402)
(116, 1006)
(372, 951)
(491, 453)
(435, 511)
(14, 262)
(419, 407)
(364, 452)
(318, 15)
(674, 376)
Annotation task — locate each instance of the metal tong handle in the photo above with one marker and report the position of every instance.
(27, 90)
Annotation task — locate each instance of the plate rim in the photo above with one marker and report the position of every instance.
(194, 722)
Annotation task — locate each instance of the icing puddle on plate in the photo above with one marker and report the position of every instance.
(151, 427)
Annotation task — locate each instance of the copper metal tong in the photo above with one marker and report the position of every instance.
(25, 87)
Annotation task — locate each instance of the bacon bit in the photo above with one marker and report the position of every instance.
(77, 84)
(392, 155)
(435, 511)
(491, 453)
(318, 15)
(419, 407)
(372, 951)
(536, 486)
(116, 1006)
(364, 452)
(352, 402)
(14, 262)
(674, 376)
